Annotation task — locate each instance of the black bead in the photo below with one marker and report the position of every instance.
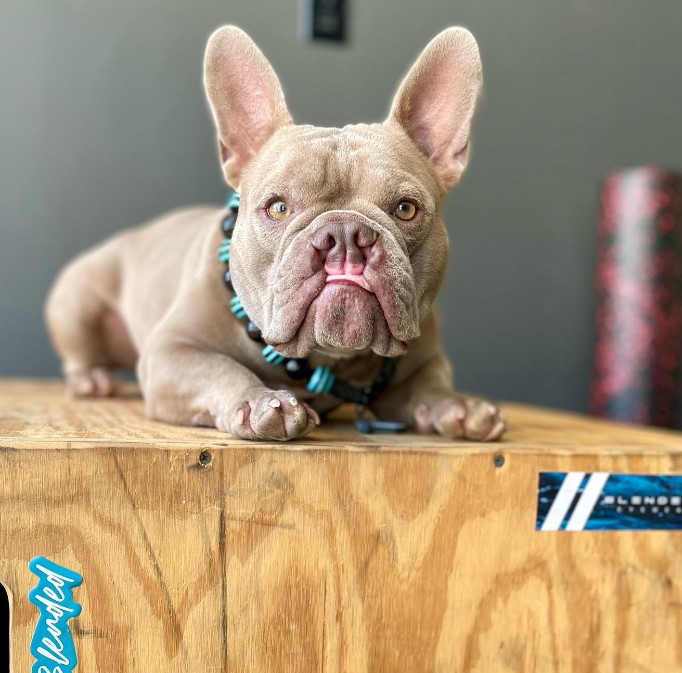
(253, 331)
(228, 224)
(388, 369)
(227, 277)
(298, 369)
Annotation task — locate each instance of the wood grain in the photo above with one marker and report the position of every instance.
(36, 414)
(340, 554)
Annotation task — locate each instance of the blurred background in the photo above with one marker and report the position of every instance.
(103, 124)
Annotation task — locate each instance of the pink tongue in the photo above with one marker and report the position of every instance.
(347, 268)
(353, 278)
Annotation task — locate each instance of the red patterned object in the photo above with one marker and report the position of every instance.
(636, 368)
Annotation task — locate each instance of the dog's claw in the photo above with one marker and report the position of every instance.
(275, 415)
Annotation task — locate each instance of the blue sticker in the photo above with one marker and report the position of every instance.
(52, 644)
(606, 501)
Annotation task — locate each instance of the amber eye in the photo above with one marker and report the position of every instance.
(278, 210)
(406, 210)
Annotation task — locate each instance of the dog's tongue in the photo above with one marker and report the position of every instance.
(350, 279)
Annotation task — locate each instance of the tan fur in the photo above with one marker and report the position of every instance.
(153, 298)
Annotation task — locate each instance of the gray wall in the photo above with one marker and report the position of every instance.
(103, 124)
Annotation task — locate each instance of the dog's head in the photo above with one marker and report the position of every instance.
(339, 245)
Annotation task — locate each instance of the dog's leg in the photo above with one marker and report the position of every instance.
(87, 334)
(187, 383)
(427, 402)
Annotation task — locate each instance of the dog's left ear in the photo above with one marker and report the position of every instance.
(435, 102)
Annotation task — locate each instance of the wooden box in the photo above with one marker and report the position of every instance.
(342, 553)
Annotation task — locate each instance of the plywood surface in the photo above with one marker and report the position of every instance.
(35, 413)
(413, 558)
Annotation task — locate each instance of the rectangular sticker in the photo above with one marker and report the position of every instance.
(608, 501)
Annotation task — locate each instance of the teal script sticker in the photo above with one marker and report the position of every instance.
(52, 644)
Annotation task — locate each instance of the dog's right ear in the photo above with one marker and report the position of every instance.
(246, 98)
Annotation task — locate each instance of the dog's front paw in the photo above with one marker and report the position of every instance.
(270, 414)
(461, 417)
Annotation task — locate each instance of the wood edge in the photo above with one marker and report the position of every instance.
(458, 450)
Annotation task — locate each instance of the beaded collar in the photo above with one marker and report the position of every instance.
(319, 380)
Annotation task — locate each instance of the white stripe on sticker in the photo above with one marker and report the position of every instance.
(583, 510)
(562, 502)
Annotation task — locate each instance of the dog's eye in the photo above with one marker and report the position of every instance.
(278, 210)
(406, 210)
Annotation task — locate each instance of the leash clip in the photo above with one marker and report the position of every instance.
(367, 424)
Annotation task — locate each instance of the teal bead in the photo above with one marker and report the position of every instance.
(312, 383)
(272, 356)
(233, 201)
(237, 308)
(322, 381)
(329, 384)
(224, 250)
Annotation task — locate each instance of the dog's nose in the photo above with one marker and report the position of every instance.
(344, 247)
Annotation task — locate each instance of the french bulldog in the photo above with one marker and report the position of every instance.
(337, 254)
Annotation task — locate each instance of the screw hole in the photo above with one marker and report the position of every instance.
(498, 460)
(205, 458)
